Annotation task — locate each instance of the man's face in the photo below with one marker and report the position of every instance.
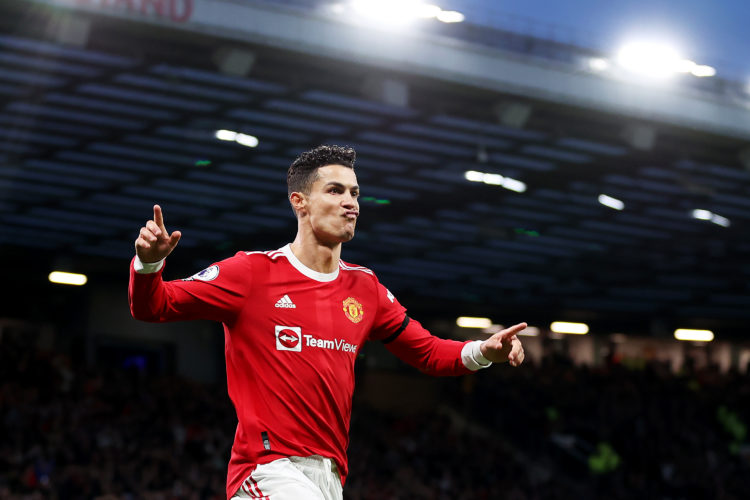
(332, 205)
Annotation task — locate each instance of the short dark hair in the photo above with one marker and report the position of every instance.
(304, 170)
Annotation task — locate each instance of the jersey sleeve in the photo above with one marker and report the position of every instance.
(412, 343)
(216, 293)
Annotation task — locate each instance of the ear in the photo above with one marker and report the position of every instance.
(298, 201)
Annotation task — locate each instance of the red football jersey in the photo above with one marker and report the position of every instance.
(291, 338)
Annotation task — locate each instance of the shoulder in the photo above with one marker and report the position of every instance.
(266, 255)
(346, 267)
(243, 260)
(257, 260)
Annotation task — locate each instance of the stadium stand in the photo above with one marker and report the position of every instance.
(551, 431)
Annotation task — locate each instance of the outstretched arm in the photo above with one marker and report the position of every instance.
(416, 346)
(435, 356)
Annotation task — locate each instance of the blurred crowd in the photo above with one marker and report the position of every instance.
(546, 431)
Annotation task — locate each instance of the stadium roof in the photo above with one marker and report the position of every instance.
(94, 135)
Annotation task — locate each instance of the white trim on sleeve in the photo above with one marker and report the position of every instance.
(472, 357)
(147, 267)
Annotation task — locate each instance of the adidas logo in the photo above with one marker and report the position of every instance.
(285, 302)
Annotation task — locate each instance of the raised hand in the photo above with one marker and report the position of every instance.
(154, 242)
(504, 346)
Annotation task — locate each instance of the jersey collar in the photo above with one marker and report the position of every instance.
(310, 273)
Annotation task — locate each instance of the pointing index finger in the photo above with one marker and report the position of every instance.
(159, 218)
(513, 330)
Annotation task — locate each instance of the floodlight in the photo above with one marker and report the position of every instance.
(703, 70)
(719, 220)
(611, 202)
(702, 214)
(394, 12)
(230, 135)
(514, 185)
(473, 322)
(710, 216)
(474, 176)
(247, 140)
(226, 135)
(651, 60)
(450, 16)
(493, 179)
(694, 335)
(64, 278)
(570, 328)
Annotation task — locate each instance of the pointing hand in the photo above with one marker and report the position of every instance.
(504, 346)
(154, 242)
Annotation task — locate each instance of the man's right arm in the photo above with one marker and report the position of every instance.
(215, 293)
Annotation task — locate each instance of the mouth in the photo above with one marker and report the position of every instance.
(351, 215)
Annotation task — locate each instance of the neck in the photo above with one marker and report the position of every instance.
(316, 255)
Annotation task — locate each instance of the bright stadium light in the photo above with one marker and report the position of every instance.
(703, 70)
(514, 185)
(450, 16)
(247, 140)
(694, 335)
(610, 202)
(495, 180)
(226, 135)
(650, 60)
(701, 214)
(230, 135)
(717, 219)
(396, 13)
(473, 322)
(474, 176)
(658, 61)
(63, 278)
(569, 328)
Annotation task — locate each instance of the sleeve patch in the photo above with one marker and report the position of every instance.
(208, 274)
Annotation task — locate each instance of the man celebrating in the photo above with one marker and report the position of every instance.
(294, 320)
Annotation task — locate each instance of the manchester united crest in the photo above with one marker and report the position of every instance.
(353, 310)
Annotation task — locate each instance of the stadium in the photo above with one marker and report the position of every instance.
(510, 171)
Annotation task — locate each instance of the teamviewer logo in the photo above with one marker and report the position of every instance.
(288, 338)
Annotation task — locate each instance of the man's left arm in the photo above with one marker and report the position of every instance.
(416, 346)
(435, 356)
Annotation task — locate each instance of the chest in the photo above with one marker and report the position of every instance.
(299, 314)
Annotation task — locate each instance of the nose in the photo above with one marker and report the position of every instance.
(349, 201)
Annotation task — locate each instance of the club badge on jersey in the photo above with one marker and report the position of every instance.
(353, 309)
